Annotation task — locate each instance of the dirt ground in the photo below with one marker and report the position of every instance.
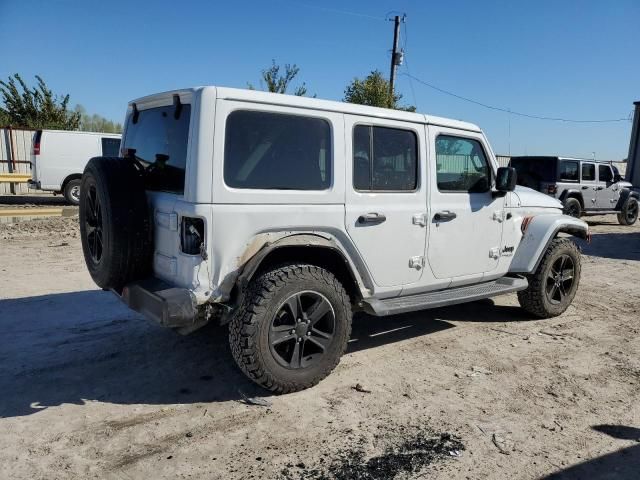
(89, 389)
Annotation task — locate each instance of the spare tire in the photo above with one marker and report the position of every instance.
(115, 227)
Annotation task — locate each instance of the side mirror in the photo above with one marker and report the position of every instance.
(617, 178)
(506, 178)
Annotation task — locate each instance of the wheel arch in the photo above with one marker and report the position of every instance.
(320, 250)
(539, 233)
(68, 178)
(572, 193)
(624, 195)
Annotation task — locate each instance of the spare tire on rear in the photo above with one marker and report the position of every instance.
(115, 227)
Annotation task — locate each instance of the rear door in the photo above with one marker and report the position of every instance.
(386, 197)
(465, 232)
(589, 185)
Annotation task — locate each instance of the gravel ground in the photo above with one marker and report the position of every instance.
(89, 389)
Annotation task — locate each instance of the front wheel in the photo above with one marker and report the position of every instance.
(292, 327)
(555, 282)
(629, 213)
(572, 207)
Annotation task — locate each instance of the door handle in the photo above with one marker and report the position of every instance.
(372, 218)
(600, 188)
(444, 216)
(584, 187)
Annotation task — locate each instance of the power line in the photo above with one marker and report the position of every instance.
(405, 40)
(511, 112)
(336, 10)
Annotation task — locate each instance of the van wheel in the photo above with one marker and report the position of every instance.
(115, 228)
(292, 327)
(72, 191)
(555, 282)
(629, 213)
(572, 207)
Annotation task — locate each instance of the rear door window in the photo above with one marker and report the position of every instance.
(265, 150)
(569, 171)
(160, 142)
(110, 147)
(588, 172)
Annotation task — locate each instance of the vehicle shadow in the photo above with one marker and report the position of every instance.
(617, 246)
(623, 464)
(87, 346)
(32, 200)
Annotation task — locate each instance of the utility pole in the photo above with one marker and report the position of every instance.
(396, 57)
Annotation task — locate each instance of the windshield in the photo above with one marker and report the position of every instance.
(532, 171)
(160, 142)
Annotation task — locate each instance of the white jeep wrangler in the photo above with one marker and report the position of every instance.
(281, 215)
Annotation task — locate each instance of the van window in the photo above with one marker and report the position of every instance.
(461, 165)
(265, 150)
(110, 147)
(384, 159)
(569, 171)
(588, 172)
(604, 173)
(160, 141)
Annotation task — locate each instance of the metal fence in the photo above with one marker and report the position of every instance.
(16, 145)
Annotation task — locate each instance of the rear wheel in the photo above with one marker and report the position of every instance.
(72, 191)
(629, 213)
(292, 327)
(555, 282)
(114, 223)
(572, 207)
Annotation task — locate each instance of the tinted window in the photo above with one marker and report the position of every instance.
(569, 171)
(110, 147)
(277, 151)
(461, 165)
(604, 173)
(384, 159)
(588, 172)
(160, 142)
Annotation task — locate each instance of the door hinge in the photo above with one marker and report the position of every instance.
(494, 252)
(420, 219)
(416, 262)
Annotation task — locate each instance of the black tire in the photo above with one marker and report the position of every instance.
(572, 207)
(253, 331)
(116, 235)
(538, 298)
(72, 191)
(629, 213)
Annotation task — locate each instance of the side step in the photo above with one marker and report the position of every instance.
(442, 298)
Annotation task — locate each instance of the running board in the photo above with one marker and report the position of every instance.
(443, 298)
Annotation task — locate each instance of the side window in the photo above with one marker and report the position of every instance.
(461, 165)
(384, 159)
(110, 147)
(604, 173)
(265, 150)
(569, 171)
(588, 172)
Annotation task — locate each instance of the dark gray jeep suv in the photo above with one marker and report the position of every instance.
(585, 187)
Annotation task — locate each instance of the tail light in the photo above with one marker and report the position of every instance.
(552, 189)
(36, 142)
(192, 236)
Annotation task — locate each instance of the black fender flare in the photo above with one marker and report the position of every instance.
(572, 193)
(624, 195)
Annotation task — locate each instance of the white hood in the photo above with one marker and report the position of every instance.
(531, 198)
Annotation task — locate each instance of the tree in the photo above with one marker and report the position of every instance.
(96, 123)
(374, 91)
(276, 82)
(36, 107)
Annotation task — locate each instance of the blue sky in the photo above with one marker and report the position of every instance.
(571, 59)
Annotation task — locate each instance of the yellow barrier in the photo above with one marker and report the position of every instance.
(31, 212)
(14, 177)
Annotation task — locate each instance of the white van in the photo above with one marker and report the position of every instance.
(59, 158)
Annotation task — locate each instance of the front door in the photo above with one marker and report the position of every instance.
(608, 191)
(386, 197)
(465, 232)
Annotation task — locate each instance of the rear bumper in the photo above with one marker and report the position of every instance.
(169, 306)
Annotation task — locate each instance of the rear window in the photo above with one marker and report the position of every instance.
(160, 141)
(569, 171)
(277, 151)
(110, 147)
